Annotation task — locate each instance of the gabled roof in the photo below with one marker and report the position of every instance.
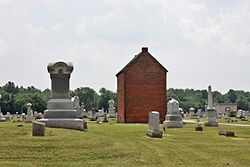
(144, 49)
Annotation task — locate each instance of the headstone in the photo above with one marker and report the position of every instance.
(35, 114)
(111, 113)
(191, 111)
(173, 118)
(61, 112)
(154, 125)
(226, 133)
(2, 119)
(85, 125)
(198, 126)
(83, 111)
(29, 114)
(77, 107)
(240, 113)
(210, 111)
(38, 129)
(200, 113)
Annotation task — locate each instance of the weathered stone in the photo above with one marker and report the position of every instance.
(210, 111)
(226, 133)
(38, 129)
(154, 125)
(29, 113)
(173, 118)
(111, 109)
(85, 125)
(61, 112)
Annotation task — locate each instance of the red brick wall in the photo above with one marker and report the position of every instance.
(120, 96)
(145, 83)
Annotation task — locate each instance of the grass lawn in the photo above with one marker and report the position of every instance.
(118, 145)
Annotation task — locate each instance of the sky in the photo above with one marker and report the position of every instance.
(201, 43)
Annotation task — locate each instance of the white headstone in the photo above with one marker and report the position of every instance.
(173, 118)
(29, 113)
(154, 125)
(111, 109)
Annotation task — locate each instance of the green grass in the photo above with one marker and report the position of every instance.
(123, 145)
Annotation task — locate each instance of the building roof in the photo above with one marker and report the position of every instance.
(144, 49)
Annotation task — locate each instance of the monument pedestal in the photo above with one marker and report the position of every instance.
(211, 118)
(172, 121)
(68, 123)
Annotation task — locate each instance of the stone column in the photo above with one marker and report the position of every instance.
(154, 125)
(210, 111)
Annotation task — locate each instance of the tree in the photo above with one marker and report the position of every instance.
(105, 96)
(87, 96)
(232, 96)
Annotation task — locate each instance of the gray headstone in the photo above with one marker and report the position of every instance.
(61, 112)
(154, 125)
(29, 113)
(38, 129)
(111, 109)
(173, 118)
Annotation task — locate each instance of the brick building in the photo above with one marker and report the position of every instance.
(141, 88)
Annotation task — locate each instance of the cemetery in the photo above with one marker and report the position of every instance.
(69, 134)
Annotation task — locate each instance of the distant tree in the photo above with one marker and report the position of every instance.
(105, 96)
(232, 96)
(242, 103)
(87, 96)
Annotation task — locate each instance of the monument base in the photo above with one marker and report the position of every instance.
(172, 124)
(67, 123)
(111, 116)
(154, 134)
(214, 124)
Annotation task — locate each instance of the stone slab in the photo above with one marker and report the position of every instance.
(214, 124)
(154, 134)
(68, 123)
(38, 129)
(226, 133)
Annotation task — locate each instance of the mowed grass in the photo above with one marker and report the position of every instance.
(114, 144)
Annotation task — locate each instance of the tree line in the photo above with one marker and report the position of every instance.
(198, 98)
(15, 98)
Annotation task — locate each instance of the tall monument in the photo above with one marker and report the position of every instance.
(61, 112)
(210, 111)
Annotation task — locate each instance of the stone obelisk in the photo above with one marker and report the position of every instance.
(210, 111)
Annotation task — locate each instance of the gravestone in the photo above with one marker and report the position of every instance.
(77, 107)
(210, 111)
(29, 113)
(61, 112)
(154, 125)
(38, 129)
(226, 133)
(2, 119)
(200, 113)
(191, 111)
(198, 126)
(111, 109)
(173, 118)
(83, 111)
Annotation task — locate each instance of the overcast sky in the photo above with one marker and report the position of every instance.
(200, 42)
